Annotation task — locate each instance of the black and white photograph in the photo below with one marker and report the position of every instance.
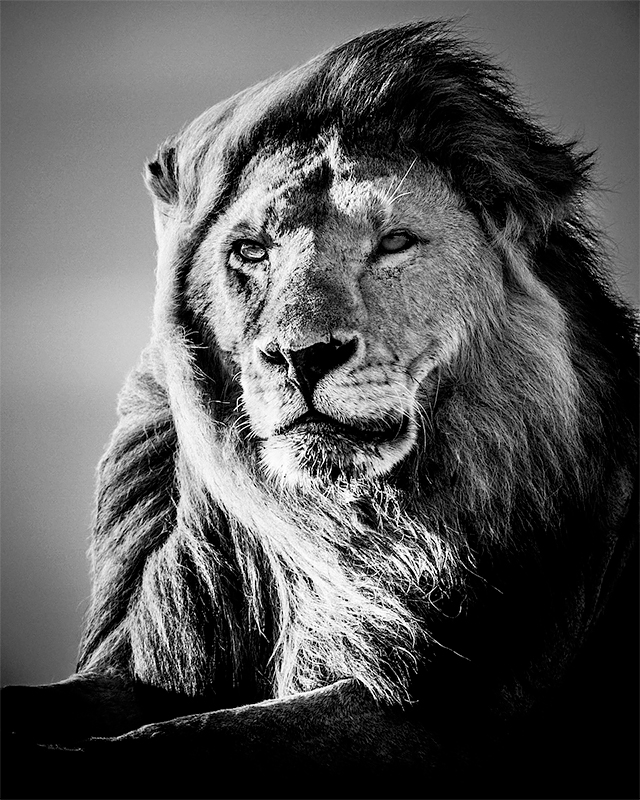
(319, 399)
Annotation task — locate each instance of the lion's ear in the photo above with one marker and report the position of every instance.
(161, 175)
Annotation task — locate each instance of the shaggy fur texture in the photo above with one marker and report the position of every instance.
(212, 580)
(444, 610)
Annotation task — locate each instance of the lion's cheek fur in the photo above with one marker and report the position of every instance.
(265, 400)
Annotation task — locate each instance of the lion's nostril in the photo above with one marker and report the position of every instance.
(323, 357)
(272, 354)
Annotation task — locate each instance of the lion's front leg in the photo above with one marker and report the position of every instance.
(84, 705)
(334, 741)
(89, 704)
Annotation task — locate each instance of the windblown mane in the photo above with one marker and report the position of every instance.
(205, 567)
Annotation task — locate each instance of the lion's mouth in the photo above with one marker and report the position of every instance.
(315, 422)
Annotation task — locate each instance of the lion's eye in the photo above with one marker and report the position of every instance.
(250, 251)
(396, 242)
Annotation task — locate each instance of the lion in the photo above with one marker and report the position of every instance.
(366, 524)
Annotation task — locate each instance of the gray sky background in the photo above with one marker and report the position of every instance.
(89, 89)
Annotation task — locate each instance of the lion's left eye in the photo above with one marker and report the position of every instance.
(250, 251)
(396, 242)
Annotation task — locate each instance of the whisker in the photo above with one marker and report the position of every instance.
(393, 193)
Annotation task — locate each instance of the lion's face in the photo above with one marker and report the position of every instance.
(338, 285)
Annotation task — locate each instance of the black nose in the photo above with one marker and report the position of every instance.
(306, 366)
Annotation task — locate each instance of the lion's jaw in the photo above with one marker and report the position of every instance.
(318, 447)
(339, 286)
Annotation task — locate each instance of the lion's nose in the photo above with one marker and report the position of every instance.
(307, 365)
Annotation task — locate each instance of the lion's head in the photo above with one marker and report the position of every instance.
(339, 285)
(356, 231)
(383, 362)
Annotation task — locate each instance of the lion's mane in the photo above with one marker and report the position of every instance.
(208, 574)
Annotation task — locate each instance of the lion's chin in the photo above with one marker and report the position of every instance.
(314, 454)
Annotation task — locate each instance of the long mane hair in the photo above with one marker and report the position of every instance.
(205, 574)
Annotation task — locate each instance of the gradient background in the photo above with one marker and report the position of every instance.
(89, 89)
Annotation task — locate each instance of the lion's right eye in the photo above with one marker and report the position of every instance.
(396, 242)
(249, 251)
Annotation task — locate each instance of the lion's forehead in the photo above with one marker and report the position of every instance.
(289, 191)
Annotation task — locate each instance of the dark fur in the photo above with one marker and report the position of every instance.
(496, 545)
